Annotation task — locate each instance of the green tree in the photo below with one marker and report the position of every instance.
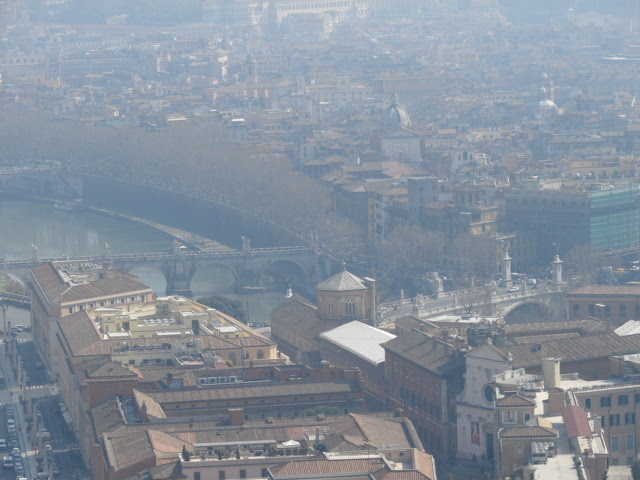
(185, 453)
(225, 305)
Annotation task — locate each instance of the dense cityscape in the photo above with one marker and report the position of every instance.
(319, 239)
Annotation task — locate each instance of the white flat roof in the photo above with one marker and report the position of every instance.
(360, 339)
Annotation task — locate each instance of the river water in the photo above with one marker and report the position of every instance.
(58, 232)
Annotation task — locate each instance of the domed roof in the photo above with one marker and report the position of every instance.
(396, 114)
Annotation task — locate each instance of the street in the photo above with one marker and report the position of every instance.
(37, 411)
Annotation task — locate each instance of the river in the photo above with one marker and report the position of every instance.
(58, 232)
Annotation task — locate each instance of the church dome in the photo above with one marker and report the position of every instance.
(396, 114)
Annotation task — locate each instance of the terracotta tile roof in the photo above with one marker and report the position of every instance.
(515, 401)
(106, 417)
(382, 431)
(314, 467)
(153, 408)
(573, 349)
(79, 333)
(534, 431)
(100, 368)
(386, 474)
(162, 442)
(300, 317)
(424, 463)
(588, 326)
(576, 422)
(426, 352)
(167, 469)
(249, 390)
(544, 337)
(57, 290)
(127, 451)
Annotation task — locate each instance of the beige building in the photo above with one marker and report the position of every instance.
(609, 303)
(341, 299)
(59, 289)
(616, 407)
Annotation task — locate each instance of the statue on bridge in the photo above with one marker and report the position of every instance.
(246, 244)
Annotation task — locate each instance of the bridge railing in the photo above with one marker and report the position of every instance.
(222, 253)
(14, 296)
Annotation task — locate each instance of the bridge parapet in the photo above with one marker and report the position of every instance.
(179, 267)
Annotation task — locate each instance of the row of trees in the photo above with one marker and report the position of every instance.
(198, 159)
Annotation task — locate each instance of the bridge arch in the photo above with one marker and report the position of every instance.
(150, 274)
(207, 277)
(524, 310)
(299, 268)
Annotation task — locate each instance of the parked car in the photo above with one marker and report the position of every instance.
(7, 462)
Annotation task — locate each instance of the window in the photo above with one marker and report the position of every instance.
(243, 473)
(630, 418)
(587, 403)
(576, 308)
(629, 442)
(519, 451)
(637, 397)
(70, 309)
(330, 308)
(527, 417)
(614, 444)
(222, 475)
(350, 308)
(623, 400)
(614, 419)
(509, 416)
(605, 401)
(623, 310)
(602, 422)
(615, 461)
(592, 310)
(196, 475)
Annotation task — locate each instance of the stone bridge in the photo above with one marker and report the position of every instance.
(480, 300)
(246, 265)
(15, 299)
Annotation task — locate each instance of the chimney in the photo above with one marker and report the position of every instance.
(236, 416)
(551, 372)
(143, 413)
(556, 401)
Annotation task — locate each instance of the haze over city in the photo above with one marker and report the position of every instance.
(319, 239)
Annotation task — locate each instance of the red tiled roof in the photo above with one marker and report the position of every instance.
(576, 422)
(322, 466)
